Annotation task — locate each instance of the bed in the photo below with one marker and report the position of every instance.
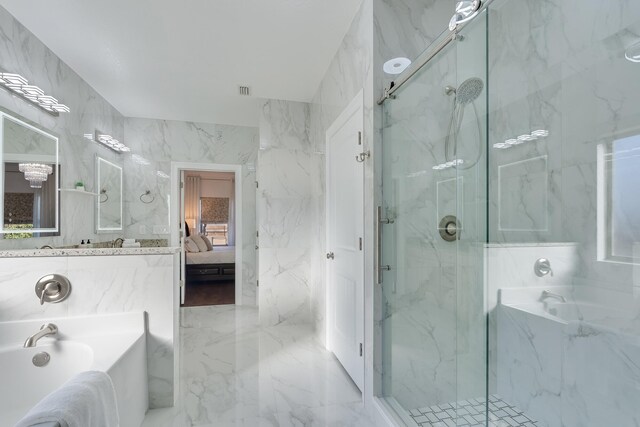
(211, 266)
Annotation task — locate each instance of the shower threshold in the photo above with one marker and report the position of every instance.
(471, 413)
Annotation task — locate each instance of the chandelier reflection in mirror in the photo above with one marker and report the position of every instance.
(35, 173)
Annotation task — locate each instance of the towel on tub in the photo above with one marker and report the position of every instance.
(88, 399)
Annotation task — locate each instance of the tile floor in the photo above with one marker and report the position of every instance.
(235, 373)
(471, 413)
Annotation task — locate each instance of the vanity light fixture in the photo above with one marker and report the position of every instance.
(20, 87)
(35, 173)
(448, 165)
(511, 142)
(108, 141)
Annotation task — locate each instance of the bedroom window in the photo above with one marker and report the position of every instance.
(215, 219)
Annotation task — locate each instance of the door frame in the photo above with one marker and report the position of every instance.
(174, 211)
(355, 104)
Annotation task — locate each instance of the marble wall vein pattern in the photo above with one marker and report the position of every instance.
(103, 284)
(161, 142)
(289, 196)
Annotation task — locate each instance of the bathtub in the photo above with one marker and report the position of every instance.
(572, 363)
(114, 344)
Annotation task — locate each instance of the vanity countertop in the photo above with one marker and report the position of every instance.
(24, 253)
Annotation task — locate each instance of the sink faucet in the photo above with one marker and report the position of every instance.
(117, 243)
(45, 330)
(548, 294)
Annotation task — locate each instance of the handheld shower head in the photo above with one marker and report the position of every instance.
(469, 90)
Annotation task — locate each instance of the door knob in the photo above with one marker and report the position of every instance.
(330, 255)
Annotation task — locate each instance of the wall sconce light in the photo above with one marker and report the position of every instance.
(20, 87)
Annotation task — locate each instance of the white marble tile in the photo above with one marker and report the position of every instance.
(18, 278)
(235, 372)
(103, 284)
(288, 171)
(161, 142)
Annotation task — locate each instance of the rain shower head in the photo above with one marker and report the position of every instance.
(469, 90)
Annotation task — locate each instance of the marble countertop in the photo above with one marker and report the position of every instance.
(23, 253)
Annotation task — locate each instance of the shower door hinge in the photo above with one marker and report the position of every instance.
(360, 349)
(360, 242)
(181, 184)
(359, 138)
(182, 283)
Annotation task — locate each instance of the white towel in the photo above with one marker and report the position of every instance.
(88, 399)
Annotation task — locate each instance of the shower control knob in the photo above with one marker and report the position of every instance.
(53, 288)
(330, 255)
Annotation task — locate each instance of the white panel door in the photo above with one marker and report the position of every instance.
(345, 233)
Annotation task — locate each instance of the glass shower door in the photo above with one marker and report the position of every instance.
(434, 198)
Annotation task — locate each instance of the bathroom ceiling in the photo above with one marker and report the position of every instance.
(176, 60)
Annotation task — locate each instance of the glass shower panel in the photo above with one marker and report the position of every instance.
(563, 262)
(434, 198)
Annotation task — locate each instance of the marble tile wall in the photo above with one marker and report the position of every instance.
(104, 284)
(157, 143)
(577, 370)
(289, 196)
(21, 52)
(576, 84)
(567, 74)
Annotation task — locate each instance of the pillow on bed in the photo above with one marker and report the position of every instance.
(202, 246)
(207, 242)
(190, 245)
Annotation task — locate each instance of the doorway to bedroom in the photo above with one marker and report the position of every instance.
(210, 204)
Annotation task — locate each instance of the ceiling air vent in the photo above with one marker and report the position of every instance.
(244, 90)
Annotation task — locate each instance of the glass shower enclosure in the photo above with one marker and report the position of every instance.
(433, 231)
(510, 222)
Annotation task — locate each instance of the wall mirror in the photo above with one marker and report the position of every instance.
(29, 180)
(109, 198)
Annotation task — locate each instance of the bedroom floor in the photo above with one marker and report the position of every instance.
(210, 293)
(235, 373)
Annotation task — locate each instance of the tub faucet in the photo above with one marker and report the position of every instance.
(45, 330)
(548, 294)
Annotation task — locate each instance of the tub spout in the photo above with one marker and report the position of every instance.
(548, 294)
(45, 330)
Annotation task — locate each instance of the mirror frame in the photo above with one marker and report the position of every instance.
(9, 115)
(99, 229)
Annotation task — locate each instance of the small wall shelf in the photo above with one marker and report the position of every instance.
(73, 190)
